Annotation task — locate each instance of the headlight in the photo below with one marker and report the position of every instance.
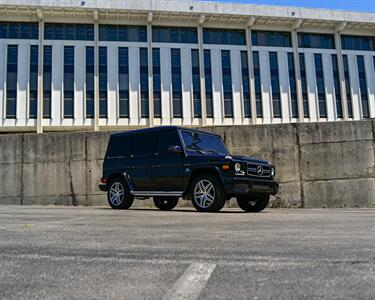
(237, 167)
(273, 172)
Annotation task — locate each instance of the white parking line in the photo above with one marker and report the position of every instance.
(191, 282)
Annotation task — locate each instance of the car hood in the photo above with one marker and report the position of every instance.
(249, 159)
(239, 158)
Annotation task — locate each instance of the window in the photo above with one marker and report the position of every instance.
(72, 32)
(11, 83)
(275, 85)
(258, 87)
(320, 85)
(224, 36)
(143, 144)
(90, 94)
(305, 97)
(208, 83)
(167, 139)
(271, 38)
(103, 97)
(118, 146)
(348, 87)
(174, 35)
(316, 40)
(196, 83)
(227, 83)
(361, 43)
(245, 84)
(33, 82)
(144, 81)
(157, 82)
(19, 30)
(68, 82)
(47, 81)
(123, 78)
(292, 85)
(363, 86)
(202, 143)
(122, 33)
(336, 80)
(176, 83)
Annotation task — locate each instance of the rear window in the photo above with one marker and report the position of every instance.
(167, 139)
(118, 146)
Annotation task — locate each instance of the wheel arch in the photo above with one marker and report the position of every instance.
(214, 171)
(115, 175)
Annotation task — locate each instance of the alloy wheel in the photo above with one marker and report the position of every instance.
(116, 193)
(204, 193)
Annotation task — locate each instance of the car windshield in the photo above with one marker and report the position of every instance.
(203, 143)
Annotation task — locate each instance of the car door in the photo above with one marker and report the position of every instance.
(168, 173)
(141, 159)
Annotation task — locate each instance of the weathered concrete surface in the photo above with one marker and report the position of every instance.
(318, 164)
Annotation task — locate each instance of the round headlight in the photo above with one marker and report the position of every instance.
(237, 167)
(273, 171)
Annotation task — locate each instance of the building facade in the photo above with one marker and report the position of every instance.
(77, 65)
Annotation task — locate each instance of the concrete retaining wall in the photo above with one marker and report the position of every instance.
(318, 164)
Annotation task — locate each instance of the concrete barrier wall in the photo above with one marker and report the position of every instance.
(318, 164)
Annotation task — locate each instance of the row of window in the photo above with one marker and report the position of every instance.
(163, 34)
(176, 76)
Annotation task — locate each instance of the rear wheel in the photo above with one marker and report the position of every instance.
(165, 203)
(118, 194)
(253, 203)
(208, 194)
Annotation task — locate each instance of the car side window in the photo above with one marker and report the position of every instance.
(143, 144)
(167, 139)
(118, 146)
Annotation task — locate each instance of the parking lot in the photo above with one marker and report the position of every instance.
(96, 252)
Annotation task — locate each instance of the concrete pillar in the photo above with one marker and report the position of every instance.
(201, 73)
(251, 72)
(298, 73)
(96, 70)
(186, 80)
(238, 107)
(39, 121)
(150, 73)
(340, 63)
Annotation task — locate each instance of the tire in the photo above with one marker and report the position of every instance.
(118, 195)
(253, 203)
(165, 203)
(207, 194)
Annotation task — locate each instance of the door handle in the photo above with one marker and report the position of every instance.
(156, 166)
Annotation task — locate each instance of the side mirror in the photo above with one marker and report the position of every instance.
(175, 149)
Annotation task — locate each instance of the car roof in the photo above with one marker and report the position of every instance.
(157, 129)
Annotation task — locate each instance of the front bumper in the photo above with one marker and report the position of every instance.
(245, 185)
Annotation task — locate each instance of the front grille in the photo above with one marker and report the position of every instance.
(252, 170)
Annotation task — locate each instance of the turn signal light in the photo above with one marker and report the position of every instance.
(226, 167)
(103, 180)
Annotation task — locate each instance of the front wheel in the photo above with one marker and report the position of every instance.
(165, 203)
(208, 194)
(118, 194)
(253, 203)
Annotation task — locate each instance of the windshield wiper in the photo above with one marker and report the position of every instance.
(195, 148)
(211, 151)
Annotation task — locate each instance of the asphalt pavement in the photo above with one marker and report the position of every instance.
(100, 253)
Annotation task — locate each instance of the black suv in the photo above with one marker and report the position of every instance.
(170, 162)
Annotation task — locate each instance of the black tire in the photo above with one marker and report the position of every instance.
(165, 203)
(122, 201)
(253, 203)
(215, 202)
